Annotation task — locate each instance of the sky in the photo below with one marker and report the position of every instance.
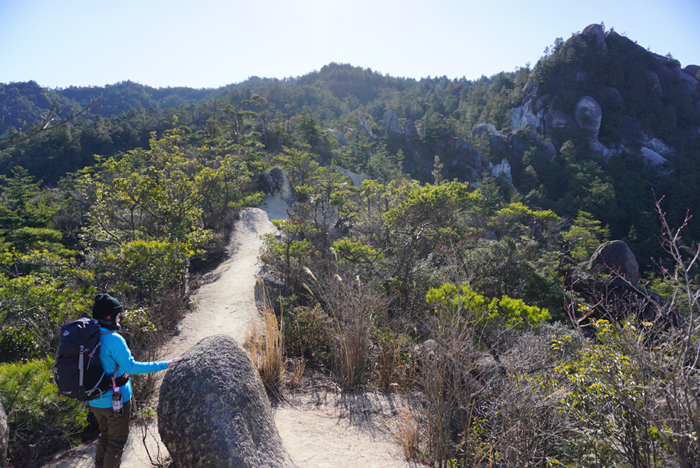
(210, 43)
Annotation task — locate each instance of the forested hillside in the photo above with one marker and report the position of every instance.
(459, 267)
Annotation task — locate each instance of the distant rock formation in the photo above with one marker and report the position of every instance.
(527, 117)
(556, 120)
(363, 126)
(4, 435)
(410, 131)
(342, 141)
(472, 158)
(276, 182)
(503, 170)
(213, 410)
(693, 71)
(497, 141)
(594, 34)
(588, 115)
(652, 157)
(615, 258)
(356, 179)
(653, 83)
(545, 115)
(391, 122)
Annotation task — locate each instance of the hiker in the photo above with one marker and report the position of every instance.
(113, 415)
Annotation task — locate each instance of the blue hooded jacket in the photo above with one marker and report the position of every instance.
(114, 351)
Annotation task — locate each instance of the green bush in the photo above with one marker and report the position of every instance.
(41, 422)
(308, 333)
(17, 343)
(34, 307)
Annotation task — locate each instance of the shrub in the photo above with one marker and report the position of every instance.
(41, 422)
(34, 307)
(308, 333)
(17, 343)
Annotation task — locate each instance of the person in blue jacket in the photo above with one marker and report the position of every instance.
(117, 360)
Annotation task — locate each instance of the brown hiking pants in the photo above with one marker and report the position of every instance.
(114, 431)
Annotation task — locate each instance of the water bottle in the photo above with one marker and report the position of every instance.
(117, 405)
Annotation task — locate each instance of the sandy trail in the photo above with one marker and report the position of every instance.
(319, 429)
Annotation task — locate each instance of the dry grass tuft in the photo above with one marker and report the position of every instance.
(265, 343)
(296, 372)
(407, 433)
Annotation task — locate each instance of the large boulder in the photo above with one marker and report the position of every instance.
(556, 120)
(632, 131)
(615, 258)
(652, 157)
(580, 74)
(600, 151)
(391, 122)
(653, 83)
(356, 179)
(530, 88)
(658, 146)
(213, 410)
(410, 131)
(4, 435)
(503, 170)
(527, 118)
(472, 156)
(588, 116)
(342, 141)
(594, 34)
(613, 96)
(497, 141)
(276, 182)
(542, 103)
(689, 82)
(693, 70)
(363, 126)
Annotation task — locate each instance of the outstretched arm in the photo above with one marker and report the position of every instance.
(122, 356)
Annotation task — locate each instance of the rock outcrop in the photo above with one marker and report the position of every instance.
(356, 179)
(4, 435)
(652, 157)
(653, 83)
(503, 170)
(527, 117)
(556, 123)
(547, 115)
(589, 115)
(342, 141)
(391, 122)
(213, 410)
(594, 34)
(410, 131)
(363, 126)
(496, 140)
(276, 182)
(615, 258)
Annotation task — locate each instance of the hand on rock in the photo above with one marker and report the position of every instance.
(174, 362)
